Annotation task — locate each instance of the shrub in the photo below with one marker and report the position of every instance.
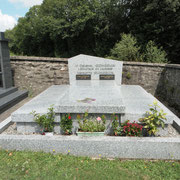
(154, 119)
(126, 128)
(91, 124)
(66, 124)
(46, 121)
(154, 54)
(126, 49)
(115, 123)
(130, 129)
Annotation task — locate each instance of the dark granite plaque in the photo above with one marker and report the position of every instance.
(107, 77)
(83, 77)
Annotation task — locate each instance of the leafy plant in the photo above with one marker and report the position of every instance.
(126, 128)
(46, 121)
(91, 124)
(66, 124)
(126, 49)
(154, 119)
(154, 54)
(130, 129)
(115, 123)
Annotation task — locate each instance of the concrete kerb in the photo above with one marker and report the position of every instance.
(5, 124)
(107, 146)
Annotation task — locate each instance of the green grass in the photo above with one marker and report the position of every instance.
(37, 165)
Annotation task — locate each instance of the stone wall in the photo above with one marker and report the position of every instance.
(36, 74)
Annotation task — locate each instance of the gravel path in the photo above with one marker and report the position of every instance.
(172, 132)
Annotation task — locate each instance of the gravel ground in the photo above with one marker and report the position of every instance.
(172, 132)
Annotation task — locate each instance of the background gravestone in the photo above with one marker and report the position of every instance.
(5, 67)
(9, 95)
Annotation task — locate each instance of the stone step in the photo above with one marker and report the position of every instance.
(5, 92)
(12, 99)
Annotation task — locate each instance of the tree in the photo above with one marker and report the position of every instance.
(154, 54)
(68, 27)
(126, 49)
(159, 21)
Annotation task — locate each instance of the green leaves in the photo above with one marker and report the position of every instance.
(91, 124)
(66, 124)
(46, 121)
(154, 119)
(128, 50)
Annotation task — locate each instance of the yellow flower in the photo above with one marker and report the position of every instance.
(68, 151)
(53, 150)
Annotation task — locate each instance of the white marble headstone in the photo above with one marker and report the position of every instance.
(84, 67)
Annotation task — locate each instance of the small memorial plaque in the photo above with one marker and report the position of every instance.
(107, 77)
(83, 77)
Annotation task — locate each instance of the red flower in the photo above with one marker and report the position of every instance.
(69, 117)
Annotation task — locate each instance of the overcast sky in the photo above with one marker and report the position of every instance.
(11, 10)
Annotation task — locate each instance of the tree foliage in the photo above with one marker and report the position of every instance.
(128, 50)
(65, 28)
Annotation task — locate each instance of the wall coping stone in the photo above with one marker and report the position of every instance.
(38, 59)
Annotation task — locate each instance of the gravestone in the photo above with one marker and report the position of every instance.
(95, 86)
(83, 67)
(9, 95)
(5, 67)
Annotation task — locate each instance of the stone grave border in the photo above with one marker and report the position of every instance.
(165, 148)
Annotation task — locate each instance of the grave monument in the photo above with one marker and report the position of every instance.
(95, 86)
(9, 95)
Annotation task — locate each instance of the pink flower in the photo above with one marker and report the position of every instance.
(98, 119)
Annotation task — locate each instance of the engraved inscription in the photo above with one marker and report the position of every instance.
(107, 77)
(83, 77)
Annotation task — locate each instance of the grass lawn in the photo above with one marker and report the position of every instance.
(39, 165)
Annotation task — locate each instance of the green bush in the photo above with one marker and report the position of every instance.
(66, 124)
(91, 124)
(154, 119)
(46, 121)
(154, 54)
(126, 49)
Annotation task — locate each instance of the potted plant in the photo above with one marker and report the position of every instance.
(66, 124)
(153, 119)
(46, 121)
(91, 126)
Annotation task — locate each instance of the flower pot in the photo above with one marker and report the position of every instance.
(90, 133)
(49, 133)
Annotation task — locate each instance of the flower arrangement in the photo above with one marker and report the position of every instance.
(91, 124)
(126, 128)
(154, 119)
(46, 121)
(131, 129)
(66, 124)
